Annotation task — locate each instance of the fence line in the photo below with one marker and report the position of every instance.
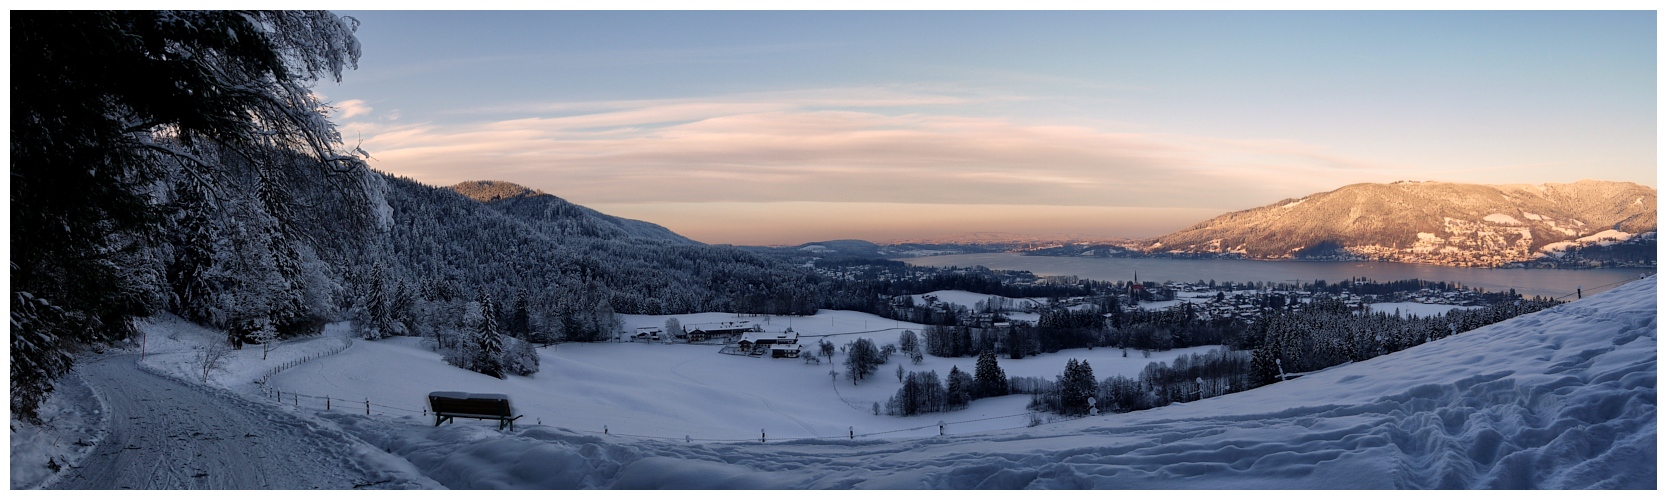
(297, 362)
(370, 407)
(1579, 293)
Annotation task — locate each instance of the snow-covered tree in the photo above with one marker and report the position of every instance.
(908, 342)
(861, 360)
(990, 380)
(1076, 385)
(519, 357)
(959, 391)
(105, 103)
(490, 343)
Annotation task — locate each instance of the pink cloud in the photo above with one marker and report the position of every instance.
(805, 147)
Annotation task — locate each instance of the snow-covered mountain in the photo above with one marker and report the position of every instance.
(1430, 222)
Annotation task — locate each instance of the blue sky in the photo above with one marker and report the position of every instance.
(785, 127)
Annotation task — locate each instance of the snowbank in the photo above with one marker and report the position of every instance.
(72, 421)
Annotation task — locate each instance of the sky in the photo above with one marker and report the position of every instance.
(790, 127)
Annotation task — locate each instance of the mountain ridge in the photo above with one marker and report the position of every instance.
(556, 215)
(1425, 222)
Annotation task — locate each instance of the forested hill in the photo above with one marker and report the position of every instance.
(558, 216)
(573, 267)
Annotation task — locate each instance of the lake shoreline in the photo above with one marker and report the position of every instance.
(1549, 282)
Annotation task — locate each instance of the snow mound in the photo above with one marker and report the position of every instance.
(1564, 398)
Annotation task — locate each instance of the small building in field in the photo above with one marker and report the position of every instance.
(701, 332)
(784, 350)
(756, 342)
(647, 333)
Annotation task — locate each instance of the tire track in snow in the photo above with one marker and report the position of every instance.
(165, 434)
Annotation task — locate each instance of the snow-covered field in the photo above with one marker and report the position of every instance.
(1560, 399)
(678, 390)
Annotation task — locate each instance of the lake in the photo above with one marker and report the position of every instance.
(1528, 282)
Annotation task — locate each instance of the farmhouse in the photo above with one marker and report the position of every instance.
(784, 350)
(647, 333)
(756, 343)
(701, 332)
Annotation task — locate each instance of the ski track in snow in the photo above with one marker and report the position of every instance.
(165, 434)
(1564, 398)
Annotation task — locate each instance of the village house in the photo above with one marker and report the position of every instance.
(757, 342)
(701, 332)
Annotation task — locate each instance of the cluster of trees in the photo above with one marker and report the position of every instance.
(481, 346)
(1327, 333)
(154, 155)
(1070, 395)
(1091, 326)
(1279, 345)
(1189, 378)
(923, 392)
(909, 343)
(862, 358)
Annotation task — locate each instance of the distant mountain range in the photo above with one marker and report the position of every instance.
(1581, 224)
(1427, 222)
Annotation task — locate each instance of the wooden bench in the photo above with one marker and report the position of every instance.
(448, 405)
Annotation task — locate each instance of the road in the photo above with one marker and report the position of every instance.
(165, 434)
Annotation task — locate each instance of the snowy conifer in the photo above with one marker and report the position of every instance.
(489, 356)
(991, 380)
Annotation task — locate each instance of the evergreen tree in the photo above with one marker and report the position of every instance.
(520, 319)
(959, 392)
(1076, 385)
(991, 380)
(490, 348)
(378, 306)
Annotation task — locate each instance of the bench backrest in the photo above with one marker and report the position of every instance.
(474, 404)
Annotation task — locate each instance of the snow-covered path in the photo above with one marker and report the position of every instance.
(168, 435)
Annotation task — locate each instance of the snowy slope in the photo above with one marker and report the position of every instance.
(677, 390)
(1564, 398)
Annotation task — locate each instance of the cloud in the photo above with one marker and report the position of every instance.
(867, 145)
(351, 108)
